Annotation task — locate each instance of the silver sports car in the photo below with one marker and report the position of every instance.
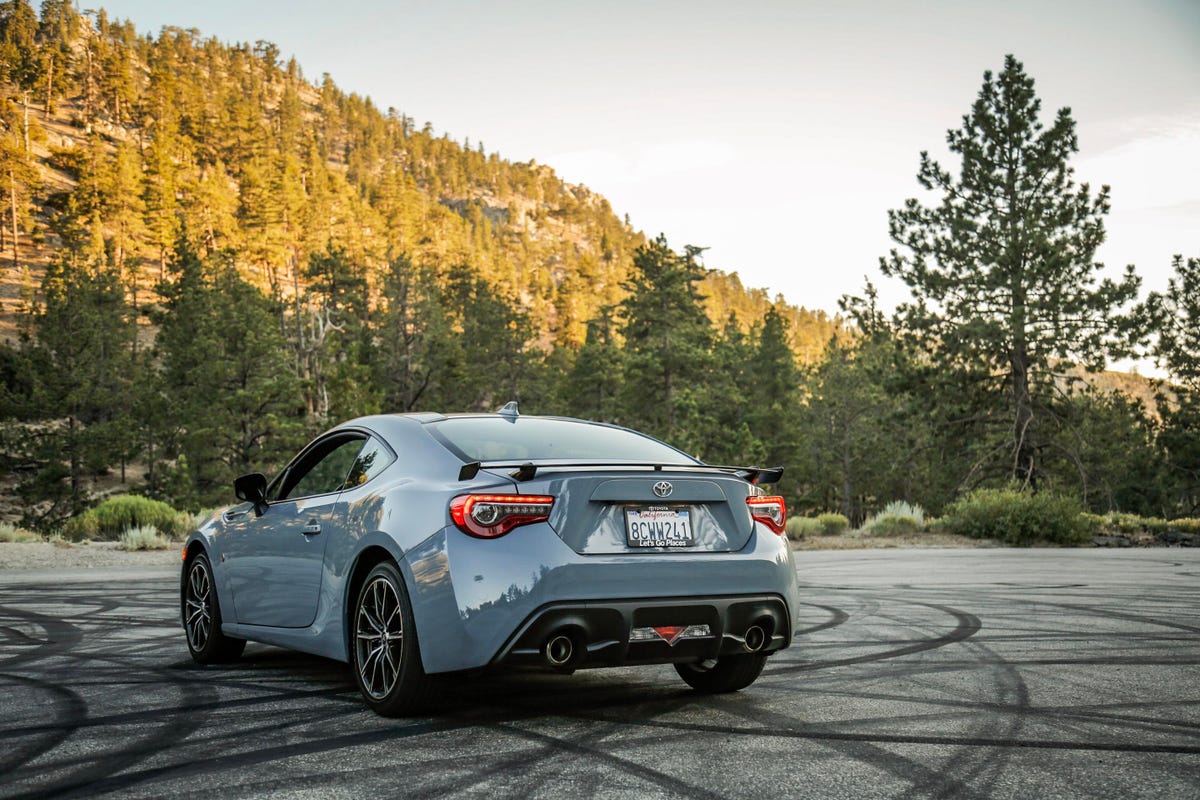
(412, 545)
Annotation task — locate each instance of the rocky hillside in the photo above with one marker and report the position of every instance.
(115, 145)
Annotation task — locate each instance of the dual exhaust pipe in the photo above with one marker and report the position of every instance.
(559, 650)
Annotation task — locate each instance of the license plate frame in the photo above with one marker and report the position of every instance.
(659, 527)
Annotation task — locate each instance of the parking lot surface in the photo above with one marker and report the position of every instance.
(916, 673)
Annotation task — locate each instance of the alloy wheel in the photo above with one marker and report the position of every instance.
(199, 606)
(379, 637)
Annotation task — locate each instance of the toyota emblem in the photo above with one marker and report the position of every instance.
(663, 489)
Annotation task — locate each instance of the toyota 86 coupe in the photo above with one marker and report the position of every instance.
(416, 545)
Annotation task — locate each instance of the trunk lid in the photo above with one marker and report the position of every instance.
(594, 510)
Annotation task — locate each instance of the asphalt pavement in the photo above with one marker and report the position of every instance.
(916, 673)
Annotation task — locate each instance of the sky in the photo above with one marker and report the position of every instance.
(777, 134)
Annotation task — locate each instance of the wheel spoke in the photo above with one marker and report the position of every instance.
(198, 603)
(378, 638)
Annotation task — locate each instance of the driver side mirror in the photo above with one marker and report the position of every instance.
(251, 488)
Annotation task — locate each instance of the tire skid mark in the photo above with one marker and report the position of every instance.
(71, 711)
(60, 636)
(925, 780)
(176, 728)
(539, 780)
(234, 761)
(815, 732)
(967, 625)
(624, 765)
(836, 617)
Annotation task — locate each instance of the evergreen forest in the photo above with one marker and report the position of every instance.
(206, 258)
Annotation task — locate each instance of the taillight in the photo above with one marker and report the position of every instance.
(490, 515)
(771, 511)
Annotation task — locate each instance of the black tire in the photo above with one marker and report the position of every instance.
(729, 674)
(385, 656)
(202, 616)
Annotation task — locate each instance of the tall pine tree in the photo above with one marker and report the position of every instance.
(1002, 268)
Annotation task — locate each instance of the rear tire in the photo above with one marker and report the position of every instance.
(729, 674)
(384, 654)
(202, 616)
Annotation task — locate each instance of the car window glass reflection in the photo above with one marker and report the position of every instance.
(373, 459)
(327, 474)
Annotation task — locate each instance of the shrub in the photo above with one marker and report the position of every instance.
(799, 527)
(832, 524)
(1183, 525)
(1124, 523)
(1019, 518)
(111, 518)
(11, 533)
(143, 538)
(895, 519)
(891, 525)
(901, 508)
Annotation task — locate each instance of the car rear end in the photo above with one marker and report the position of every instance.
(610, 549)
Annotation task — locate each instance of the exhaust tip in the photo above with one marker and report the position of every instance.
(558, 650)
(755, 638)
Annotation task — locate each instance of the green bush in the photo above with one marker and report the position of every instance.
(891, 525)
(114, 516)
(832, 524)
(143, 538)
(799, 527)
(1019, 518)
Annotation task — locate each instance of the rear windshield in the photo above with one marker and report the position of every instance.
(536, 439)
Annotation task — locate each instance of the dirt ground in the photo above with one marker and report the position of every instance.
(44, 555)
(860, 540)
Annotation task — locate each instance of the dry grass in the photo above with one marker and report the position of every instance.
(13, 533)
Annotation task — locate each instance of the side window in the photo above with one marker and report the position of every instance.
(372, 460)
(323, 471)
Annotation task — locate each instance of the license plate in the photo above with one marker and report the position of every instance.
(658, 527)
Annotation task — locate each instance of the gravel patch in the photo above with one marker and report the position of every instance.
(861, 540)
(44, 555)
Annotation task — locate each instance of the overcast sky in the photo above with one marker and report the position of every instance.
(777, 134)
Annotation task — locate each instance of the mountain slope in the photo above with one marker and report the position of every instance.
(142, 140)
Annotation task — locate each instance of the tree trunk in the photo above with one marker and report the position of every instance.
(12, 193)
(849, 505)
(25, 121)
(1024, 453)
(49, 109)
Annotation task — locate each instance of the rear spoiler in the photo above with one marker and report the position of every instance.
(527, 470)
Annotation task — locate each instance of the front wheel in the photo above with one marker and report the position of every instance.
(385, 655)
(728, 674)
(202, 616)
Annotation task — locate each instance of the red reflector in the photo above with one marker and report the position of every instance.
(668, 633)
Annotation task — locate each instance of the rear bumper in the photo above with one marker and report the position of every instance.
(600, 630)
(475, 599)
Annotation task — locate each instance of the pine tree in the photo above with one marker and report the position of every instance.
(20, 56)
(81, 367)
(1176, 316)
(668, 338)
(591, 388)
(235, 398)
(1002, 269)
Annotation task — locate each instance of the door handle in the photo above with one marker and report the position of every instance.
(312, 529)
